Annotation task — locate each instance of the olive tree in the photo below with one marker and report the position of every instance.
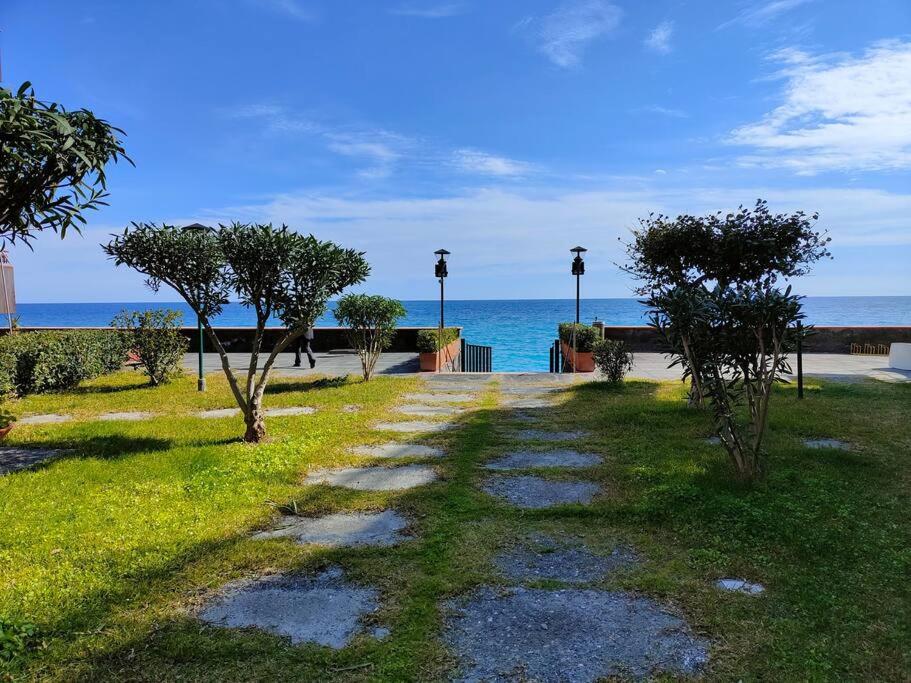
(371, 323)
(711, 287)
(276, 272)
(52, 165)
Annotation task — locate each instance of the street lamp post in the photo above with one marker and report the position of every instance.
(578, 270)
(201, 380)
(441, 271)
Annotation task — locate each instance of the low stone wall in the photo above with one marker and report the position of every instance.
(240, 339)
(822, 339)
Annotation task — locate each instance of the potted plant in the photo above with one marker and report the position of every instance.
(439, 353)
(580, 358)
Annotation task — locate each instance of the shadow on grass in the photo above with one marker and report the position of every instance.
(285, 386)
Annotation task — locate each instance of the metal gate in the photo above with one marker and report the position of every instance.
(476, 358)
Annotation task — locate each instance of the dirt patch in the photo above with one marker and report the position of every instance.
(547, 558)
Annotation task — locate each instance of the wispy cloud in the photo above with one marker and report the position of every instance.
(663, 111)
(565, 34)
(290, 8)
(429, 11)
(839, 113)
(659, 38)
(760, 13)
(382, 151)
(476, 161)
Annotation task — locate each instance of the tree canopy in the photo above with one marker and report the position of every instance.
(52, 165)
(277, 272)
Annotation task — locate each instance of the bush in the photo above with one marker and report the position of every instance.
(613, 358)
(371, 322)
(37, 362)
(586, 336)
(154, 336)
(429, 341)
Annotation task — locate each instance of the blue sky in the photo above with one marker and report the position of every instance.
(505, 131)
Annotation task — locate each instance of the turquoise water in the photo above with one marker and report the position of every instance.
(520, 331)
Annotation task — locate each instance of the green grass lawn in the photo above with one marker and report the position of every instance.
(110, 548)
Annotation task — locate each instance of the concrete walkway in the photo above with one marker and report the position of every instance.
(646, 366)
(334, 363)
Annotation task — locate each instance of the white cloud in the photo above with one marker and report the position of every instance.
(758, 14)
(476, 161)
(839, 113)
(659, 38)
(290, 8)
(524, 233)
(432, 11)
(565, 34)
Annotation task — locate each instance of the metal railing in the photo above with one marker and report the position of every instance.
(556, 356)
(476, 358)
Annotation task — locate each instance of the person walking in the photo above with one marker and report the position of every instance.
(304, 341)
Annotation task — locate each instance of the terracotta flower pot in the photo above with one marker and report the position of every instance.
(6, 430)
(445, 360)
(581, 361)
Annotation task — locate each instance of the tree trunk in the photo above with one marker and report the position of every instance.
(256, 426)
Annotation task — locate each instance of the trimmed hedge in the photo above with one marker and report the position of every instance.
(429, 340)
(35, 362)
(586, 336)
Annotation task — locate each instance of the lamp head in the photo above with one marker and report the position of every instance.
(441, 270)
(196, 227)
(578, 263)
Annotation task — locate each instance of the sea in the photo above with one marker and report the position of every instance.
(520, 331)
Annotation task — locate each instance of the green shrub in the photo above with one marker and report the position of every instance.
(586, 336)
(154, 336)
(371, 322)
(613, 358)
(16, 638)
(429, 341)
(35, 362)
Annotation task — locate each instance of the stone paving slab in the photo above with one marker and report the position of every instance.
(570, 635)
(529, 389)
(342, 529)
(453, 387)
(428, 411)
(323, 609)
(351, 408)
(535, 493)
(440, 398)
(520, 460)
(739, 586)
(413, 426)
(289, 411)
(50, 418)
(827, 443)
(375, 478)
(547, 558)
(218, 413)
(543, 435)
(125, 416)
(13, 459)
(398, 450)
(528, 403)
